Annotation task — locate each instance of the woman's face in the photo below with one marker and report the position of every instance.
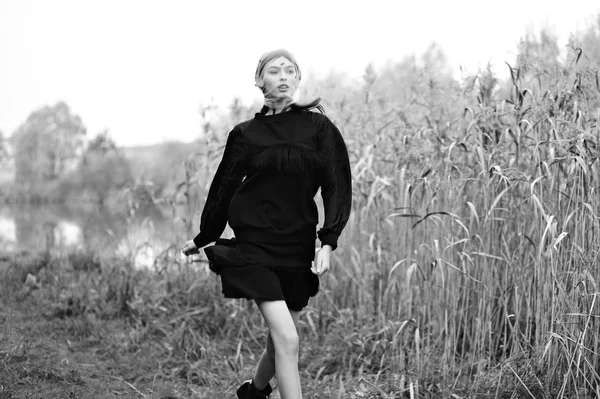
(280, 78)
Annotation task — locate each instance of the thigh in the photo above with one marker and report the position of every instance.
(277, 316)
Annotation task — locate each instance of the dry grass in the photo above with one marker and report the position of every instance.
(469, 267)
(482, 238)
(114, 330)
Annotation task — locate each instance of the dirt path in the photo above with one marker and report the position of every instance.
(44, 357)
(38, 360)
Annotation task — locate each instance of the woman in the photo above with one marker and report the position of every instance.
(271, 170)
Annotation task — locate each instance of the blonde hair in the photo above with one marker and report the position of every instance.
(269, 99)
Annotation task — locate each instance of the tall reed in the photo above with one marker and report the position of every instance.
(471, 256)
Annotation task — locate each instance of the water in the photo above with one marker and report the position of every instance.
(141, 235)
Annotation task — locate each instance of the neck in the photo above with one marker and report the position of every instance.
(278, 106)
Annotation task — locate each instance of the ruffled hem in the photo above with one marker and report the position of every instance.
(223, 255)
(260, 282)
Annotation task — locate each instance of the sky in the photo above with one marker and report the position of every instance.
(142, 68)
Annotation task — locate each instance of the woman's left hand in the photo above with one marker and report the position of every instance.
(322, 260)
(190, 248)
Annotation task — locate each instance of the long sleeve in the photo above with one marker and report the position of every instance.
(228, 178)
(336, 183)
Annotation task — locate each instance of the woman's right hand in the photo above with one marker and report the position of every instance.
(189, 248)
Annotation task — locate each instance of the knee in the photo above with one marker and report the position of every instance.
(285, 342)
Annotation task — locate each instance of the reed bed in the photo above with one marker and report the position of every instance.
(472, 251)
(469, 263)
(468, 269)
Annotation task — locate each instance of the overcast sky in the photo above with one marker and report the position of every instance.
(141, 67)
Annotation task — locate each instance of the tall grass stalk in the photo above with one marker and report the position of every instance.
(470, 261)
(469, 265)
(488, 249)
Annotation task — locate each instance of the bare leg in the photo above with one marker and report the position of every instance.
(284, 336)
(266, 365)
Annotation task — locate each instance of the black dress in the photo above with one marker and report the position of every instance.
(272, 168)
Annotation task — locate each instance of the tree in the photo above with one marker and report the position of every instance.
(6, 166)
(4, 155)
(588, 42)
(47, 144)
(102, 143)
(102, 168)
(538, 60)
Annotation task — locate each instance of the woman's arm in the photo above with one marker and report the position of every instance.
(228, 178)
(336, 183)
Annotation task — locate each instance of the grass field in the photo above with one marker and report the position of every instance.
(468, 269)
(84, 329)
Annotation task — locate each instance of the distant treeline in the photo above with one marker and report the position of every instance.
(52, 158)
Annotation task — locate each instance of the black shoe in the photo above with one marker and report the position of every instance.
(249, 391)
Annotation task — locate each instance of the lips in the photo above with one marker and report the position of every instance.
(283, 87)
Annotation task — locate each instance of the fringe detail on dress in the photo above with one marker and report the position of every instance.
(284, 158)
